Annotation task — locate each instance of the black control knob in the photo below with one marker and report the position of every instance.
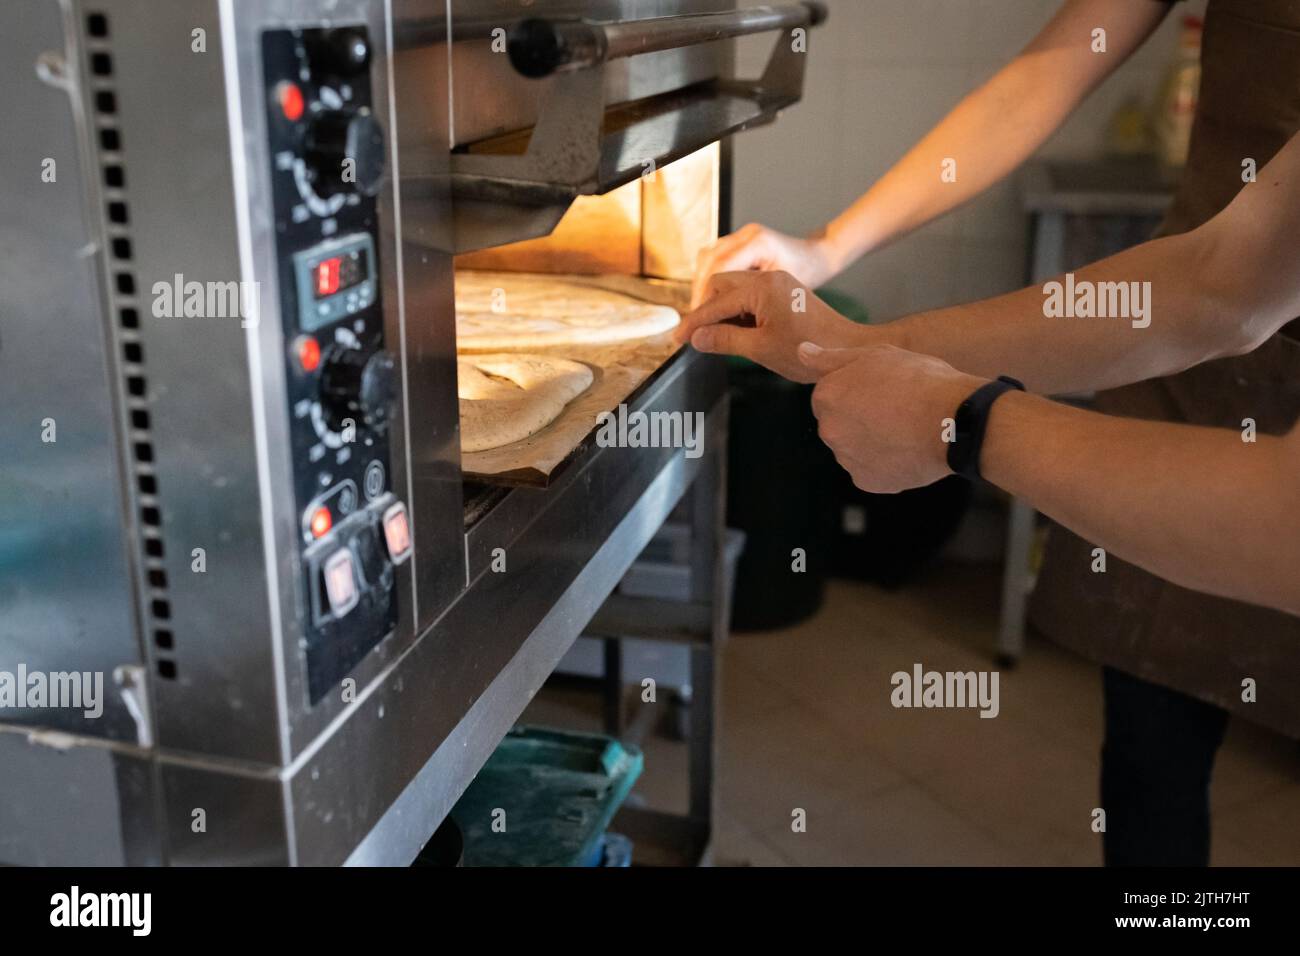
(345, 153)
(359, 386)
(342, 52)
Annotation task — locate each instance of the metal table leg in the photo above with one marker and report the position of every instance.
(708, 586)
(667, 837)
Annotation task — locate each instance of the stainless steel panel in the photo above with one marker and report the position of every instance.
(176, 151)
(65, 805)
(577, 141)
(431, 442)
(242, 23)
(417, 290)
(66, 594)
(197, 170)
(490, 98)
(225, 815)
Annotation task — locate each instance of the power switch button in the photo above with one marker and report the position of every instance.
(341, 583)
(397, 533)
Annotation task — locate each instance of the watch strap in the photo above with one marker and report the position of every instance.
(971, 421)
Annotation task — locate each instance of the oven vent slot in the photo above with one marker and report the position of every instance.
(124, 297)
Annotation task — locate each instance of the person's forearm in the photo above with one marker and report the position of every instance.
(989, 133)
(1197, 506)
(994, 129)
(1176, 317)
(1152, 310)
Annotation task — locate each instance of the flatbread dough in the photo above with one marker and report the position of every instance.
(505, 398)
(502, 310)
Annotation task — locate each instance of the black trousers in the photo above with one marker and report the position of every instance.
(1156, 764)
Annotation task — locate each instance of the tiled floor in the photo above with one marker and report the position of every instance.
(806, 723)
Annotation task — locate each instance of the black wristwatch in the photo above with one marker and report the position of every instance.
(971, 420)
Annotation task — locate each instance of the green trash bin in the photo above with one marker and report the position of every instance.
(779, 483)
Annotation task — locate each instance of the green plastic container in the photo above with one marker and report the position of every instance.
(545, 798)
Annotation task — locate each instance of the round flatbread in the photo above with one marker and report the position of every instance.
(506, 398)
(499, 310)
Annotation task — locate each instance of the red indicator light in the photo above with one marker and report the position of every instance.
(327, 276)
(292, 103)
(321, 522)
(308, 353)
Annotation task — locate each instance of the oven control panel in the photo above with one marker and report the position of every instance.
(327, 152)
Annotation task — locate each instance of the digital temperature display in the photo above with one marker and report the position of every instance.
(339, 273)
(335, 280)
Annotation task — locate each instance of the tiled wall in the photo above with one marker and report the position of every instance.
(881, 73)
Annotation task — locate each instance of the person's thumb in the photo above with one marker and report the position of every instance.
(823, 361)
(724, 338)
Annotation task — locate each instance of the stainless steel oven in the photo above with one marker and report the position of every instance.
(231, 489)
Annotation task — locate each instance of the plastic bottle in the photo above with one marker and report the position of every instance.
(1176, 108)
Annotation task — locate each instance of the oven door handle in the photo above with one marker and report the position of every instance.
(539, 47)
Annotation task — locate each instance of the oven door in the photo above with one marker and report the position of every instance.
(554, 100)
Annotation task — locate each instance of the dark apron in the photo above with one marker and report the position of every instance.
(1126, 618)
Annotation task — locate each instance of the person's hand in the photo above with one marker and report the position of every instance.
(759, 248)
(883, 411)
(782, 314)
